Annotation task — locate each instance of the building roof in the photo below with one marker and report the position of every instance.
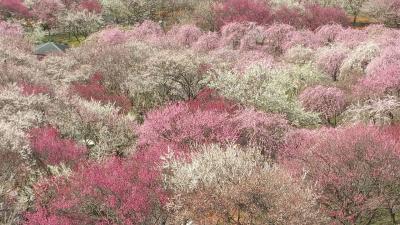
(50, 47)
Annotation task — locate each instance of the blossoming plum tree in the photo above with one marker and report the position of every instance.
(355, 170)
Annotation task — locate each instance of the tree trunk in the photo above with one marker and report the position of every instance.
(393, 216)
(355, 19)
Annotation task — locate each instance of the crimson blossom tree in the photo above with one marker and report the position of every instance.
(33, 89)
(90, 5)
(115, 191)
(95, 90)
(355, 170)
(51, 149)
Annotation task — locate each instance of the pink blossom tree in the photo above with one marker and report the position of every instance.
(112, 36)
(289, 15)
(206, 42)
(208, 99)
(264, 131)
(389, 56)
(178, 125)
(276, 37)
(146, 30)
(384, 81)
(47, 11)
(351, 37)
(230, 11)
(250, 59)
(355, 170)
(330, 59)
(211, 119)
(304, 38)
(184, 35)
(90, 5)
(232, 33)
(253, 39)
(13, 6)
(11, 29)
(328, 101)
(328, 33)
(316, 16)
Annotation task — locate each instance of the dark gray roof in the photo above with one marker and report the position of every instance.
(50, 47)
